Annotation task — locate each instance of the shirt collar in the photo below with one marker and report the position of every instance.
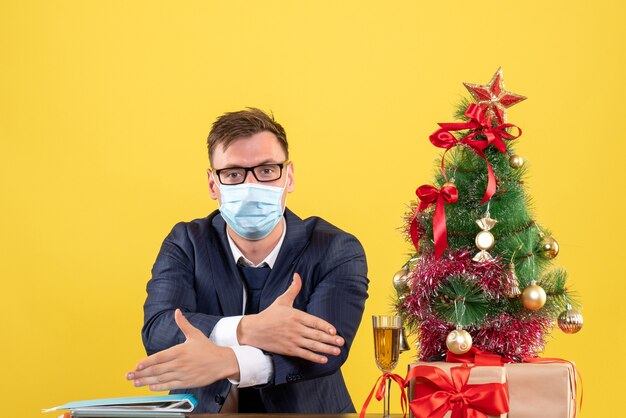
(270, 260)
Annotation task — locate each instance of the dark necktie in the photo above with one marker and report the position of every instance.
(254, 278)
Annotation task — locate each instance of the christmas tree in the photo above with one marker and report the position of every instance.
(482, 272)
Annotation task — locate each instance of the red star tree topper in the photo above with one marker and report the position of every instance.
(494, 97)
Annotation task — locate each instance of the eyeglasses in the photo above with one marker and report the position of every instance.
(263, 173)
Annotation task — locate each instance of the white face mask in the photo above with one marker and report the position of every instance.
(251, 210)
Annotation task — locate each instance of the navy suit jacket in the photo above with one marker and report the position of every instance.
(195, 271)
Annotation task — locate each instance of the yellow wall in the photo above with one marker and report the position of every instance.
(105, 105)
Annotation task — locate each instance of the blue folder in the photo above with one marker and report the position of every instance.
(166, 406)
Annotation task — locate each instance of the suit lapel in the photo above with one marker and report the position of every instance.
(281, 276)
(228, 283)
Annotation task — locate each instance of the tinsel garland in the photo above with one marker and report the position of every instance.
(506, 335)
(510, 336)
(429, 274)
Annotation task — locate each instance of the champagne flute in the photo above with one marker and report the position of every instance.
(387, 349)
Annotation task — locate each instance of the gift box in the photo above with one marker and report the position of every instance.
(542, 389)
(484, 389)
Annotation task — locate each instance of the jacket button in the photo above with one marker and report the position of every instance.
(219, 399)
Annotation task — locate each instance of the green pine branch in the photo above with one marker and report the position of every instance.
(462, 302)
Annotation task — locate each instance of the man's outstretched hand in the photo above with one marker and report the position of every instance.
(195, 363)
(282, 329)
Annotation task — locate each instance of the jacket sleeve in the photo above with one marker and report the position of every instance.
(339, 298)
(171, 287)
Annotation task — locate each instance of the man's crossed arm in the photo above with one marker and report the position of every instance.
(279, 329)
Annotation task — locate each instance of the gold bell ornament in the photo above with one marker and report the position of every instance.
(404, 341)
(513, 288)
(400, 283)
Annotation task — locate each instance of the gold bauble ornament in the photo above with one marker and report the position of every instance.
(459, 341)
(400, 279)
(570, 321)
(533, 297)
(515, 161)
(548, 247)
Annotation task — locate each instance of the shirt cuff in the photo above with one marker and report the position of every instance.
(225, 331)
(255, 367)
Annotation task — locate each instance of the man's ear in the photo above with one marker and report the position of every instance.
(291, 179)
(213, 186)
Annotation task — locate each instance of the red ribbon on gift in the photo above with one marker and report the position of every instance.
(380, 393)
(477, 357)
(428, 196)
(437, 393)
(479, 124)
(486, 358)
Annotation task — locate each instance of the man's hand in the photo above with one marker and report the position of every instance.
(281, 329)
(195, 363)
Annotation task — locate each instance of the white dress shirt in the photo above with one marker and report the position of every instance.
(255, 367)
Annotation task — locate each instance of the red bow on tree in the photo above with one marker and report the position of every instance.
(479, 124)
(429, 195)
(436, 394)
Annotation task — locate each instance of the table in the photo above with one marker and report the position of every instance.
(290, 415)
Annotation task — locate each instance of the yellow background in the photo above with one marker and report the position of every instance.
(104, 110)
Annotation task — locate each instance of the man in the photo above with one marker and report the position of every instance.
(253, 309)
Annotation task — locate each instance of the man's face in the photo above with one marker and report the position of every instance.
(251, 151)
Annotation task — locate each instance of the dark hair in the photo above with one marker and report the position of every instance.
(244, 123)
